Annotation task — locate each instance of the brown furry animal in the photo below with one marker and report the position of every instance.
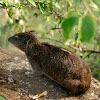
(62, 65)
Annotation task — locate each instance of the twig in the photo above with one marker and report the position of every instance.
(92, 51)
(27, 5)
(6, 6)
(58, 15)
(88, 55)
(55, 28)
(85, 50)
(51, 39)
(89, 10)
(54, 13)
(79, 49)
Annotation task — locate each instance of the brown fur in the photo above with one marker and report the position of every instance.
(62, 65)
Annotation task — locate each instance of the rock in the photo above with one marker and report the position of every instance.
(17, 81)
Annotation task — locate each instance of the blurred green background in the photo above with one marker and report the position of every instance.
(45, 17)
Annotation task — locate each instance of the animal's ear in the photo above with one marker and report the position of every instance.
(32, 31)
(26, 38)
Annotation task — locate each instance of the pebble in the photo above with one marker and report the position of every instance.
(28, 73)
(92, 94)
(21, 82)
(28, 84)
(23, 61)
(16, 58)
(10, 79)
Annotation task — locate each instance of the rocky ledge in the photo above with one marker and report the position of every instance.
(17, 81)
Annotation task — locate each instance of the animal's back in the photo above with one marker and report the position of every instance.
(66, 68)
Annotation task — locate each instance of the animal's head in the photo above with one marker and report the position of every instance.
(22, 40)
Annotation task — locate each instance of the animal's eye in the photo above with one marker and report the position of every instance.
(26, 38)
(16, 36)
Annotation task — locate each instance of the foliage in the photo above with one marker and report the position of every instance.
(76, 21)
(32, 2)
(67, 26)
(1, 98)
(87, 28)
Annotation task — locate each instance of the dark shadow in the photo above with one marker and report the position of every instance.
(36, 85)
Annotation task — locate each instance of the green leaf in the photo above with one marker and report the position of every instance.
(95, 7)
(1, 98)
(32, 2)
(56, 4)
(76, 37)
(67, 26)
(17, 5)
(7, 3)
(51, 5)
(10, 13)
(60, 19)
(40, 6)
(3, 5)
(87, 28)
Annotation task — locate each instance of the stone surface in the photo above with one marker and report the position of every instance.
(17, 81)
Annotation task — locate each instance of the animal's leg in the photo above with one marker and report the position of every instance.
(76, 85)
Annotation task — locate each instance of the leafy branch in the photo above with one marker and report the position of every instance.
(89, 10)
(85, 23)
(56, 28)
(17, 5)
(5, 6)
(51, 39)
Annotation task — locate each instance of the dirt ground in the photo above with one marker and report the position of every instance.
(17, 81)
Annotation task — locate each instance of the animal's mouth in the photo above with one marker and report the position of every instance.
(12, 41)
(9, 39)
